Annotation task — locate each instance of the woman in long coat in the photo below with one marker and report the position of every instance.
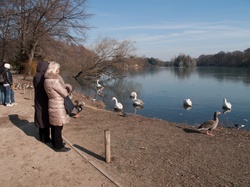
(41, 103)
(56, 91)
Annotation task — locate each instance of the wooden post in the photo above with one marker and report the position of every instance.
(107, 146)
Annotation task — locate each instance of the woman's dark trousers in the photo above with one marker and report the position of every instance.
(56, 135)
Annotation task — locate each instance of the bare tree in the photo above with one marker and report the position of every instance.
(39, 20)
(108, 58)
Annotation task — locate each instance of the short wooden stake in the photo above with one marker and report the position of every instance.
(107, 146)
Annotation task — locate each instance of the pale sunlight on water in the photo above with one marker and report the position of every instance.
(164, 89)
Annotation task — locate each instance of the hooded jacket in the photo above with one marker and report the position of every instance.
(41, 99)
(56, 91)
(7, 77)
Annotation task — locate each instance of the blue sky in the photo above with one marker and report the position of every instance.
(165, 28)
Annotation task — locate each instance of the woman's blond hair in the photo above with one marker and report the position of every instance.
(53, 67)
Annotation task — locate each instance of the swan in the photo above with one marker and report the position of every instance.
(210, 124)
(118, 106)
(187, 102)
(137, 102)
(98, 85)
(226, 104)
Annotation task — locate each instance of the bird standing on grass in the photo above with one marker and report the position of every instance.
(79, 105)
(210, 124)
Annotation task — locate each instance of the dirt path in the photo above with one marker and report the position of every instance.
(145, 152)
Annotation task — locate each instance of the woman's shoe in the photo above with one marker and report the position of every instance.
(64, 149)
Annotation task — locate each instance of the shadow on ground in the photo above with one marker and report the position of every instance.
(27, 127)
(89, 152)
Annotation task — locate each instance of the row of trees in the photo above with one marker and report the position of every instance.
(229, 59)
(236, 58)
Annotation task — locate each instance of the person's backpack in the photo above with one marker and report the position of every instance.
(1, 78)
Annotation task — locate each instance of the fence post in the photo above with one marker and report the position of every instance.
(107, 146)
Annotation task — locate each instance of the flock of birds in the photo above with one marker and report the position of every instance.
(207, 126)
(136, 102)
(210, 125)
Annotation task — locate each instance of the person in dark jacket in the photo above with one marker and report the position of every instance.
(9, 99)
(41, 103)
(2, 68)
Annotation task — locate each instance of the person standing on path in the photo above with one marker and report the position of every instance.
(57, 92)
(2, 68)
(41, 117)
(9, 99)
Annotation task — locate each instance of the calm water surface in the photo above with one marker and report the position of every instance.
(164, 89)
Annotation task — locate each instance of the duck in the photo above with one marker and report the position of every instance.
(210, 124)
(238, 126)
(226, 105)
(118, 106)
(132, 94)
(187, 102)
(98, 85)
(79, 106)
(137, 102)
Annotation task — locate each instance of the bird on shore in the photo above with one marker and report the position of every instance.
(238, 126)
(137, 102)
(79, 106)
(226, 105)
(118, 106)
(210, 124)
(187, 102)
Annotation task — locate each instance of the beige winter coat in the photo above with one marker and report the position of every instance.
(56, 91)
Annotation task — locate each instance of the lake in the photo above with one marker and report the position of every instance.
(164, 89)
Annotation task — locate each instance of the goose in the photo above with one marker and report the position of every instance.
(210, 124)
(226, 104)
(118, 106)
(98, 85)
(137, 102)
(187, 102)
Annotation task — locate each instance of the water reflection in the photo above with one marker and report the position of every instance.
(164, 89)
(183, 73)
(226, 111)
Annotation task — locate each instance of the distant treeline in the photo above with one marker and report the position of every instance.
(229, 59)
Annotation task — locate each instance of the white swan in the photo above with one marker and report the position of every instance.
(226, 104)
(187, 102)
(137, 102)
(118, 106)
(98, 85)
